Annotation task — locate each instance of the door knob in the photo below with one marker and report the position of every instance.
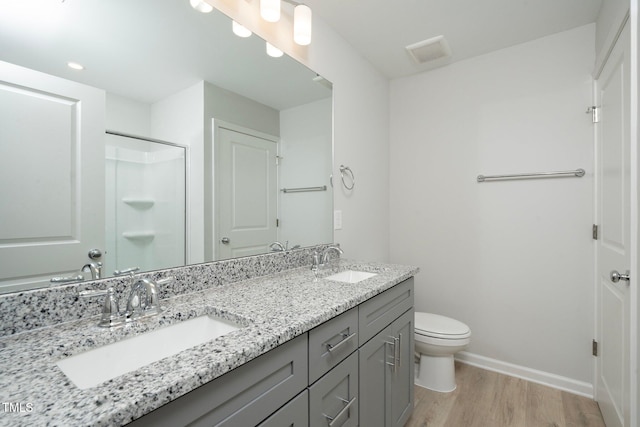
(616, 277)
(95, 254)
(225, 240)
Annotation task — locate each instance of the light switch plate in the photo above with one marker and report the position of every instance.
(337, 220)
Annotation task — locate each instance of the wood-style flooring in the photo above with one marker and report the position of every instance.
(489, 399)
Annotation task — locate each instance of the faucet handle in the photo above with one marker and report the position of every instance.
(110, 310)
(67, 279)
(165, 280)
(131, 271)
(153, 292)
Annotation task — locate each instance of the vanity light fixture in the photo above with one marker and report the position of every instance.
(201, 6)
(302, 24)
(273, 51)
(75, 66)
(240, 31)
(270, 10)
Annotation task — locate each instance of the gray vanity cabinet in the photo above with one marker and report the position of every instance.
(355, 369)
(386, 361)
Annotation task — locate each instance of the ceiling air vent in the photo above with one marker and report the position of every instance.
(429, 50)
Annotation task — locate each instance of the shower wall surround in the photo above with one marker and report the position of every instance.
(38, 308)
(145, 204)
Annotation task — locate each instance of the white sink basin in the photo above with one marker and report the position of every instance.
(350, 276)
(101, 364)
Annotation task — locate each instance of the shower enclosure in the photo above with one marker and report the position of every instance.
(145, 204)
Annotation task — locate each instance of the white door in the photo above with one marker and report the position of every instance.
(51, 176)
(246, 183)
(613, 180)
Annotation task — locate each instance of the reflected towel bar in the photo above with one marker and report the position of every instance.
(577, 172)
(302, 189)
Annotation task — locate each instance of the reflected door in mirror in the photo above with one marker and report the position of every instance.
(51, 176)
(247, 193)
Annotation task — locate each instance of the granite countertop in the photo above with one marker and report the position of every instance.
(271, 309)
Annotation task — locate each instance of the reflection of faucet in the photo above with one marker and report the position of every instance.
(279, 247)
(95, 268)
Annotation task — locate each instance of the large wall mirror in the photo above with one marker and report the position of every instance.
(178, 143)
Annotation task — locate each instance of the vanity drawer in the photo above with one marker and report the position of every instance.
(332, 342)
(333, 400)
(378, 312)
(293, 414)
(243, 397)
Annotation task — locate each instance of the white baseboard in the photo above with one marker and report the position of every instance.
(540, 377)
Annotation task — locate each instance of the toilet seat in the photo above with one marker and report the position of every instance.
(436, 326)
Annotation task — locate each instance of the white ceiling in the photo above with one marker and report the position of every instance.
(380, 29)
(148, 49)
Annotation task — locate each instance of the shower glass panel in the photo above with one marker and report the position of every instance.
(145, 204)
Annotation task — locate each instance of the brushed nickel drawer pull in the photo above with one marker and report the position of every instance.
(331, 348)
(399, 350)
(395, 346)
(332, 420)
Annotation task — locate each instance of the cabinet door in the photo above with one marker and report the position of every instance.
(401, 383)
(375, 359)
(386, 375)
(333, 400)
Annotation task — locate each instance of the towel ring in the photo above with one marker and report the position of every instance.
(350, 177)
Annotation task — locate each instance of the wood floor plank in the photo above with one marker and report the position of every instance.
(581, 411)
(509, 403)
(544, 406)
(432, 409)
(488, 399)
(476, 390)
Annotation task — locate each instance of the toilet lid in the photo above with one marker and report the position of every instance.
(434, 325)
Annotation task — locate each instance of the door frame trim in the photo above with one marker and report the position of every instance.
(635, 210)
(631, 17)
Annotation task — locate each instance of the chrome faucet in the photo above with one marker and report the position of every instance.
(95, 268)
(328, 250)
(137, 306)
(149, 306)
(321, 260)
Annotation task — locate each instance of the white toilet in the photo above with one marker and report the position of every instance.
(437, 339)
